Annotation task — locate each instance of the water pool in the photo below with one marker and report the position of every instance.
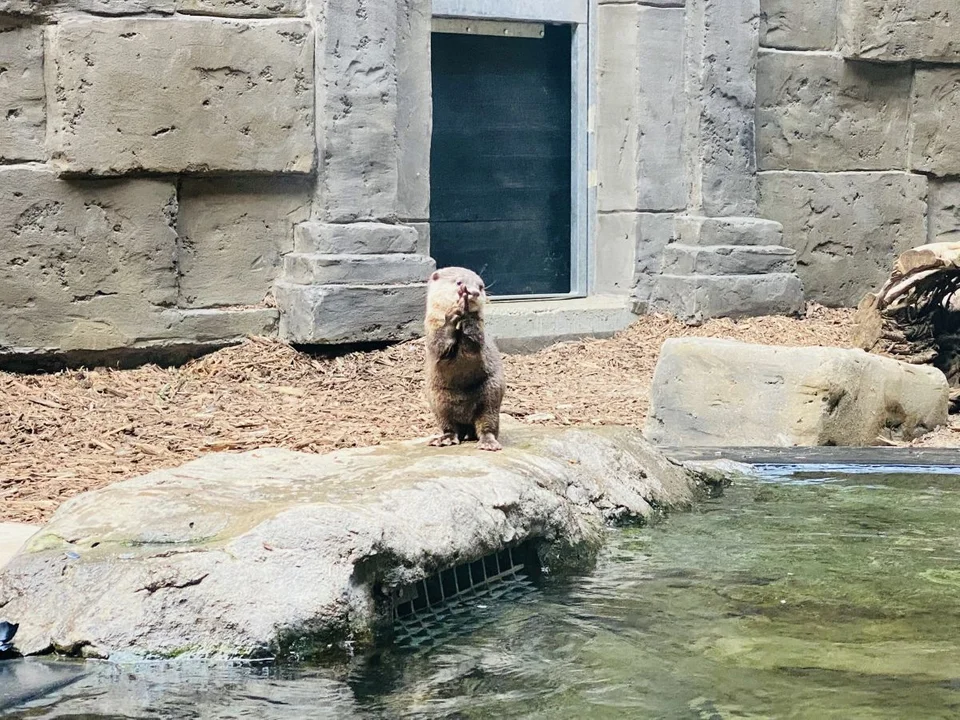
(808, 592)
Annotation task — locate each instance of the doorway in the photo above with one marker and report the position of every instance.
(500, 161)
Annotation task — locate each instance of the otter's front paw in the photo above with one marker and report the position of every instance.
(445, 440)
(489, 442)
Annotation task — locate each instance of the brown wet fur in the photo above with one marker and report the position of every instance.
(464, 372)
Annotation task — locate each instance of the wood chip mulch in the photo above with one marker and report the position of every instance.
(64, 433)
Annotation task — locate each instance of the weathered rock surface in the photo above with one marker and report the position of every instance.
(233, 234)
(253, 554)
(710, 231)
(789, 25)
(845, 227)
(350, 313)
(817, 112)
(630, 252)
(898, 31)
(235, 96)
(242, 8)
(709, 392)
(679, 259)
(935, 147)
(324, 269)
(695, 298)
(640, 108)
(354, 238)
(22, 118)
(944, 211)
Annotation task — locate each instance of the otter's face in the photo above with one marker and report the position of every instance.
(448, 285)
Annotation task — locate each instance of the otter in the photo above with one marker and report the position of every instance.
(464, 371)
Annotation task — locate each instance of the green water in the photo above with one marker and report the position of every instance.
(813, 595)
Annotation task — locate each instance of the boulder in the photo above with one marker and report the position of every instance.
(709, 392)
(260, 553)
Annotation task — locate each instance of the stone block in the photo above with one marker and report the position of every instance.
(56, 8)
(357, 112)
(22, 118)
(393, 269)
(817, 112)
(219, 325)
(233, 235)
(355, 238)
(423, 237)
(235, 96)
(414, 109)
(721, 83)
(679, 259)
(654, 231)
(898, 31)
(335, 314)
(242, 8)
(695, 298)
(83, 262)
(616, 247)
(707, 231)
(640, 111)
(790, 25)
(943, 216)
(935, 146)
(710, 392)
(847, 228)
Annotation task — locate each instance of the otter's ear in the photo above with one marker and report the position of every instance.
(435, 276)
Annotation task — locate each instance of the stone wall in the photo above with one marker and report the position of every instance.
(858, 135)
(157, 157)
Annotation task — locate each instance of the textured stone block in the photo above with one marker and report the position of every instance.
(710, 392)
(218, 325)
(616, 246)
(233, 96)
(791, 25)
(53, 8)
(654, 231)
(847, 228)
(640, 109)
(706, 231)
(82, 264)
(897, 31)
(695, 298)
(817, 112)
(414, 109)
(944, 211)
(354, 238)
(721, 82)
(233, 235)
(681, 259)
(334, 314)
(22, 119)
(242, 8)
(935, 146)
(357, 112)
(394, 269)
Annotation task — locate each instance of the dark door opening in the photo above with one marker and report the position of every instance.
(500, 172)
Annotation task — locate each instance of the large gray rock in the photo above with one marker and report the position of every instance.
(791, 25)
(721, 49)
(240, 555)
(235, 96)
(22, 118)
(709, 392)
(936, 127)
(233, 236)
(81, 262)
(861, 117)
(846, 227)
(640, 112)
(335, 314)
(898, 31)
(695, 298)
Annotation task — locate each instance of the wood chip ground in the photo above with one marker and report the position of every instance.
(64, 433)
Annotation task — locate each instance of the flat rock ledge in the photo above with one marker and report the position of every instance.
(272, 552)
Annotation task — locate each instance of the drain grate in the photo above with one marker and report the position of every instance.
(461, 599)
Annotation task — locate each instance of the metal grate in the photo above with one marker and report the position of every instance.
(460, 599)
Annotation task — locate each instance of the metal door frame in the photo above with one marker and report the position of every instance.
(579, 14)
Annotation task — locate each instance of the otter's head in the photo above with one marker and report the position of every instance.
(447, 284)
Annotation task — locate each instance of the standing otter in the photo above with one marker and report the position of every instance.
(464, 371)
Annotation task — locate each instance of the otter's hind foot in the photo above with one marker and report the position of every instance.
(489, 442)
(445, 440)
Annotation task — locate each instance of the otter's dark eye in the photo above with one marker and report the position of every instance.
(459, 282)
(481, 287)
